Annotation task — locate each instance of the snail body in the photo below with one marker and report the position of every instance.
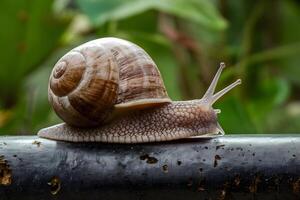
(110, 90)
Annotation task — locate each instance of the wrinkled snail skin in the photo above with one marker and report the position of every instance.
(110, 90)
(179, 119)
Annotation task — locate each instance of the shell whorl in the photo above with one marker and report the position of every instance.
(90, 81)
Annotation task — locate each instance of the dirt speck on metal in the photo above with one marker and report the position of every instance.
(55, 185)
(165, 168)
(217, 157)
(37, 143)
(179, 162)
(5, 172)
(220, 146)
(149, 159)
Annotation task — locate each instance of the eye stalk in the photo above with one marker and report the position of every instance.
(209, 97)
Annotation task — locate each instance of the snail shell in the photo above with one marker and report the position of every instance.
(101, 77)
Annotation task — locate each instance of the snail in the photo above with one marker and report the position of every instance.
(110, 90)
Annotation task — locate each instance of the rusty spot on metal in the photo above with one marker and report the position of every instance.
(201, 186)
(55, 185)
(222, 195)
(152, 160)
(190, 182)
(254, 184)
(165, 168)
(37, 143)
(149, 159)
(237, 180)
(225, 192)
(273, 183)
(5, 172)
(217, 157)
(296, 186)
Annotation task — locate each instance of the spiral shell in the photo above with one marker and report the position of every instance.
(93, 80)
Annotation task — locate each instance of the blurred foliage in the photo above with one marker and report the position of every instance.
(259, 40)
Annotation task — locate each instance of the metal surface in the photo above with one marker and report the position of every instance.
(230, 167)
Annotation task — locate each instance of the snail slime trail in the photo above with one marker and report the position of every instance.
(110, 90)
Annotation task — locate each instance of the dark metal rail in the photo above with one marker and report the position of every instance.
(230, 167)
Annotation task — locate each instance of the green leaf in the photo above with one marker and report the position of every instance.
(199, 11)
(31, 33)
(234, 117)
(289, 32)
(271, 94)
(32, 110)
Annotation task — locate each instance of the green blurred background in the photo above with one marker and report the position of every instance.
(259, 40)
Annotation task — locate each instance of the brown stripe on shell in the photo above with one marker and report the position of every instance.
(94, 100)
(132, 89)
(65, 111)
(133, 71)
(97, 95)
(139, 75)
